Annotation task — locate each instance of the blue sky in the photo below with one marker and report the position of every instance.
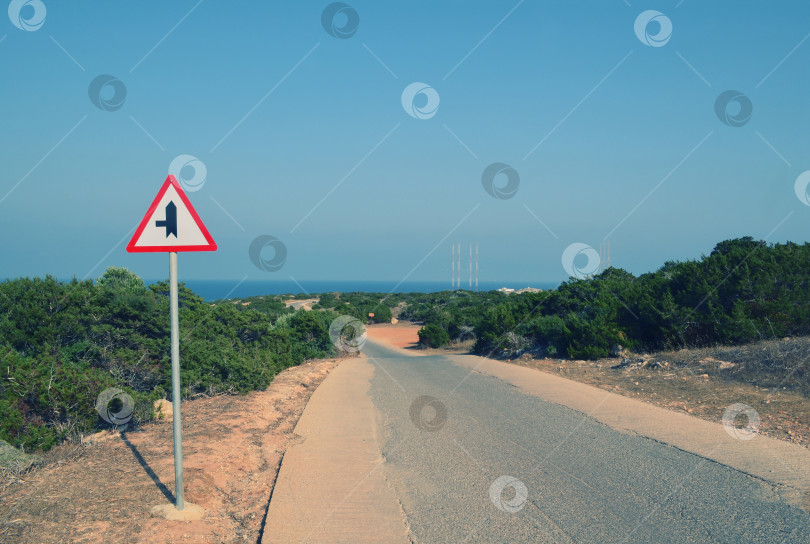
(304, 136)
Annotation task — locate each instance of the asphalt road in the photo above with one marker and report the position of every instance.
(564, 476)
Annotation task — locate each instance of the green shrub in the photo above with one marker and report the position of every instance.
(744, 291)
(490, 332)
(62, 344)
(433, 336)
(382, 313)
(121, 279)
(548, 332)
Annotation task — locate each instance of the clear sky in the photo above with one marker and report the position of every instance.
(608, 126)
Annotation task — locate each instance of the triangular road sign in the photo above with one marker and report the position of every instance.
(171, 224)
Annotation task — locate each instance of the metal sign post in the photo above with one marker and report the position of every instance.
(172, 225)
(176, 427)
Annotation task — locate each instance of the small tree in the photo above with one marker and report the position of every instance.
(382, 313)
(433, 336)
(119, 278)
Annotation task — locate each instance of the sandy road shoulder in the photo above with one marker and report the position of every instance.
(331, 486)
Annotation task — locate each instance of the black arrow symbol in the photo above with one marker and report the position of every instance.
(171, 220)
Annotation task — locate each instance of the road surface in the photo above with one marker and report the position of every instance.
(583, 481)
(468, 457)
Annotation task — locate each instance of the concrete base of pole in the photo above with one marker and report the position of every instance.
(190, 512)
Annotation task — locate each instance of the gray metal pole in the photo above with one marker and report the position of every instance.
(178, 439)
(453, 267)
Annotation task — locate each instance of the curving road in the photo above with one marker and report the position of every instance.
(473, 459)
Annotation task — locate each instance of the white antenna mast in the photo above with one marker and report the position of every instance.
(476, 267)
(458, 283)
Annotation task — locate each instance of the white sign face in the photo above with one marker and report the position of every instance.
(171, 224)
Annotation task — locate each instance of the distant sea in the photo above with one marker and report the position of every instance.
(219, 289)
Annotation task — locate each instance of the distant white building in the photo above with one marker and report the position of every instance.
(529, 290)
(508, 291)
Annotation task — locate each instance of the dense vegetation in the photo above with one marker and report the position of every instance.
(359, 305)
(62, 344)
(744, 291)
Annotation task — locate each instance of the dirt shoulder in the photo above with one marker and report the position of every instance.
(402, 335)
(331, 487)
(783, 414)
(102, 491)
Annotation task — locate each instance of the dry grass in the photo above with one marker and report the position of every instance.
(771, 364)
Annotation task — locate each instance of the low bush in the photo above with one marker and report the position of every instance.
(433, 336)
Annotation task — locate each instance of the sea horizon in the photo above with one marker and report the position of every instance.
(230, 289)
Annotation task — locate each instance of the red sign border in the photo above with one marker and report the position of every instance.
(170, 181)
